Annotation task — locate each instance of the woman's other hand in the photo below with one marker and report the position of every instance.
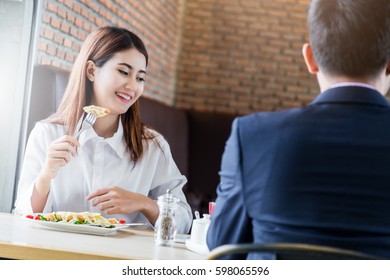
(115, 200)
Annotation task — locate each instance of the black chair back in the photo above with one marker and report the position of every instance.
(289, 251)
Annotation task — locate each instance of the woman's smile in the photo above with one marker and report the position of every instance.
(124, 97)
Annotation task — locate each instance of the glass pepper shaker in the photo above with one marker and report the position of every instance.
(165, 227)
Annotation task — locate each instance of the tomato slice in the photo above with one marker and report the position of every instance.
(30, 216)
(122, 221)
(37, 218)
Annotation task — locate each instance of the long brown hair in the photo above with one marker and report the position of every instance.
(100, 46)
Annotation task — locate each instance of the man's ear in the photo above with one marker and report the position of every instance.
(91, 70)
(309, 59)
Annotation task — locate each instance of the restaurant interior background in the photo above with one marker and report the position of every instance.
(211, 56)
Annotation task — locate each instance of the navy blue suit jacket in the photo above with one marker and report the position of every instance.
(318, 175)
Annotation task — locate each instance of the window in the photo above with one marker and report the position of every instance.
(16, 29)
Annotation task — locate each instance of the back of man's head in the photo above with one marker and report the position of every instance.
(350, 37)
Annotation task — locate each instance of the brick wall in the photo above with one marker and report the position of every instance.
(235, 56)
(64, 25)
(243, 56)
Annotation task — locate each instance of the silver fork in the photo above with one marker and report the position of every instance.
(87, 123)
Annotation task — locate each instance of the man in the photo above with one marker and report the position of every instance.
(318, 174)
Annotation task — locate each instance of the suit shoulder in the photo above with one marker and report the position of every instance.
(270, 117)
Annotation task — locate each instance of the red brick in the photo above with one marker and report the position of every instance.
(48, 34)
(81, 35)
(85, 13)
(70, 57)
(79, 22)
(42, 46)
(52, 7)
(52, 50)
(100, 22)
(71, 18)
(61, 54)
(46, 18)
(59, 39)
(76, 8)
(67, 43)
(65, 27)
(44, 60)
(69, 3)
(76, 47)
(55, 22)
(61, 12)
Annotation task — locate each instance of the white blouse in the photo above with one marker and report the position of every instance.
(101, 162)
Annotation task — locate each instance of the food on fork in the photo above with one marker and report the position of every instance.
(83, 218)
(97, 111)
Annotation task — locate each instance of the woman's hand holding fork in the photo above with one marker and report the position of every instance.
(59, 154)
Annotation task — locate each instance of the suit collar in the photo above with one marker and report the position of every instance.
(352, 94)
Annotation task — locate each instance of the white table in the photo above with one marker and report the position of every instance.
(20, 239)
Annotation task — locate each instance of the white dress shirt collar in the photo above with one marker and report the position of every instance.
(116, 142)
(356, 84)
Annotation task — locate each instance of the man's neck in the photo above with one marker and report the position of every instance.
(326, 82)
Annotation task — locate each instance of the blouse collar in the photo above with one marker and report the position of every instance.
(116, 142)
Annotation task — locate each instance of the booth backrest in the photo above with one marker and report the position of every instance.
(196, 139)
(207, 137)
(172, 124)
(48, 86)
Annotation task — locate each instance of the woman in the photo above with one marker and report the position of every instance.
(120, 166)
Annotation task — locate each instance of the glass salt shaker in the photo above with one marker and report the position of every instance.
(165, 227)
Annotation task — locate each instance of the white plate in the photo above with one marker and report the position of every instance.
(86, 229)
(197, 248)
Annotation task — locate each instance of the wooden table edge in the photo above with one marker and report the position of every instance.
(20, 252)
